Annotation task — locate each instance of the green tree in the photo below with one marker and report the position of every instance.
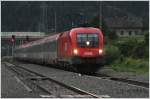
(95, 22)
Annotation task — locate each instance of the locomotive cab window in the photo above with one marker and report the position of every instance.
(87, 40)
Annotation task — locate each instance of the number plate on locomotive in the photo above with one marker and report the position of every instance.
(88, 53)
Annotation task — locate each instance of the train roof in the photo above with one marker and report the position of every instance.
(80, 28)
(53, 37)
(40, 41)
(83, 28)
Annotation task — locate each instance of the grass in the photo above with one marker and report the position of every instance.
(128, 54)
(139, 66)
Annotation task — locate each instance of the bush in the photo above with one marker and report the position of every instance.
(146, 52)
(132, 65)
(133, 48)
(127, 46)
(146, 38)
(140, 51)
(111, 53)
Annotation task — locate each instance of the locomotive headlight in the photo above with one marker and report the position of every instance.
(75, 51)
(100, 51)
(87, 43)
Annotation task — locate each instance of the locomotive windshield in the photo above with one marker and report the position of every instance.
(87, 40)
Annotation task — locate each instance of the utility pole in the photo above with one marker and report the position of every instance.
(43, 18)
(55, 18)
(8, 50)
(13, 49)
(100, 13)
(13, 41)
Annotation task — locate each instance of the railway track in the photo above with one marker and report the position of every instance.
(124, 80)
(43, 82)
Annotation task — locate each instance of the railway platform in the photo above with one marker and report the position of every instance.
(13, 87)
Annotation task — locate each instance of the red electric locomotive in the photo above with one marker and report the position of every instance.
(81, 48)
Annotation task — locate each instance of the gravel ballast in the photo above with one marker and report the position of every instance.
(98, 86)
(126, 75)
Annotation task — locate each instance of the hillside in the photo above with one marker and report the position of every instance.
(31, 16)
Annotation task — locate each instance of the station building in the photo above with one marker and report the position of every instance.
(126, 26)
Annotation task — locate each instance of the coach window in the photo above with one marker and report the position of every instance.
(40, 47)
(54, 46)
(47, 46)
(51, 46)
(43, 47)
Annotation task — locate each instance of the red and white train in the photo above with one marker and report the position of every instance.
(80, 47)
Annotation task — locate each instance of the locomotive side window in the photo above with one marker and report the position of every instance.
(87, 40)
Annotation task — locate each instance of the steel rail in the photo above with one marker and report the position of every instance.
(75, 89)
(124, 80)
(14, 70)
